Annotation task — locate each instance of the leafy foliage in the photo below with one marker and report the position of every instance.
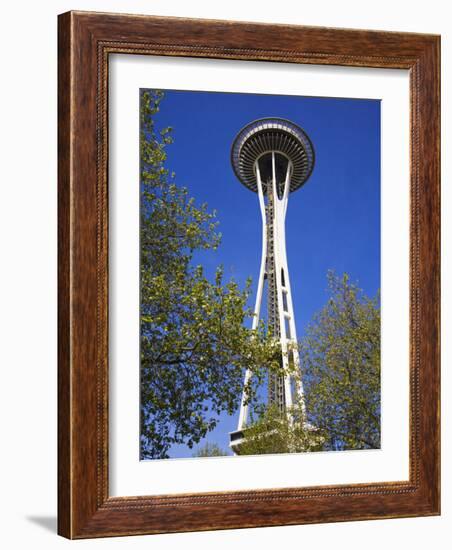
(210, 449)
(340, 358)
(273, 433)
(194, 344)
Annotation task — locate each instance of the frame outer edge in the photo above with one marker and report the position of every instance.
(64, 278)
(426, 272)
(431, 267)
(82, 510)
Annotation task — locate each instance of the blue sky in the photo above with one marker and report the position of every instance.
(333, 221)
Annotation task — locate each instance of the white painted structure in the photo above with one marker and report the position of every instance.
(274, 157)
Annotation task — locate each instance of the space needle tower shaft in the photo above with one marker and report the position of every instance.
(274, 157)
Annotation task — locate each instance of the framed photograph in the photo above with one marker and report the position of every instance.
(248, 275)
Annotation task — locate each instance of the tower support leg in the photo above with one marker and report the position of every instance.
(281, 317)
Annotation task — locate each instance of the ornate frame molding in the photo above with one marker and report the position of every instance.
(85, 42)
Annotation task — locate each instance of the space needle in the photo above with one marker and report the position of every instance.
(274, 157)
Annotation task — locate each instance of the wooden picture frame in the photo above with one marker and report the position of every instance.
(86, 40)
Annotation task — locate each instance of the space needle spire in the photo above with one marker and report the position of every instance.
(274, 157)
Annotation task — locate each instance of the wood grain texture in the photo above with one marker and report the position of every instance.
(85, 42)
(64, 294)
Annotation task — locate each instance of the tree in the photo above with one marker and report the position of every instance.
(210, 449)
(340, 358)
(194, 343)
(273, 433)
